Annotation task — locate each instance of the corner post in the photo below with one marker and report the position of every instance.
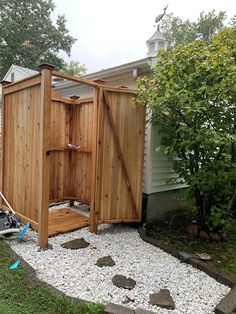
(45, 140)
(3, 83)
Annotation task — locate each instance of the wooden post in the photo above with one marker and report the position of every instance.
(4, 83)
(93, 212)
(45, 140)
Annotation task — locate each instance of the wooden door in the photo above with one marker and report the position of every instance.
(120, 155)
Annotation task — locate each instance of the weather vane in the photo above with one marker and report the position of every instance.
(160, 16)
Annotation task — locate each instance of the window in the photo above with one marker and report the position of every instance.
(161, 45)
(152, 47)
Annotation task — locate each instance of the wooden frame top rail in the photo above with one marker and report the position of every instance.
(119, 89)
(22, 84)
(74, 79)
(73, 102)
(93, 83)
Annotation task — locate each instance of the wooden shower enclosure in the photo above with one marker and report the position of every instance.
(102, 166)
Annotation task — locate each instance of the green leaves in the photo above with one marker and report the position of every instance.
(28, 37)
(178, 32)
(192, 98)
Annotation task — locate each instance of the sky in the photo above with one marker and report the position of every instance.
(111, 33)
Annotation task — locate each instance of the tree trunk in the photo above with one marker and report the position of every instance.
(200, 208)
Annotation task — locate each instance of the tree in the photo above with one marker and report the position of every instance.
(192, 96)
(74, 68)
(178, 32)
(28, 36)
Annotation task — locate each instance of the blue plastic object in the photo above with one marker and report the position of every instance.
(15, 265)
(23, 231)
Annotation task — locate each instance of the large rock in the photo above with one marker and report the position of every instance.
(192, 230)
(76, 244)
(215, 236)
(105, 261)
(203, 235)
(121, 281)
(224, 236)
(162, 299)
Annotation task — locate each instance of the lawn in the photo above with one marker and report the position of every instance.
(20, 295)
(171, 232)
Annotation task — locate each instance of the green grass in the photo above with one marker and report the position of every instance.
(19, 294)
(171, 232)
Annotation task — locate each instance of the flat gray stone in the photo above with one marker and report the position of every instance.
(112, 308)
(162, 299)
(228, 304)
(76, 244)
(121, 281)
(105, 261)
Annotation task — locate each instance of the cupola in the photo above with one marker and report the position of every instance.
(155, 43)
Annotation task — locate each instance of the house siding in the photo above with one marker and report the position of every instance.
(161, 170)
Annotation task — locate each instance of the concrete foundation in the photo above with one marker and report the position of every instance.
(158, 205)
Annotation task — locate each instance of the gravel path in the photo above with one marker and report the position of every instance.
(74, 271)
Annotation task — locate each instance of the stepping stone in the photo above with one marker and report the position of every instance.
(105, 261)
(162, 299)
(121, 281)
(228, 303)
(76, 244)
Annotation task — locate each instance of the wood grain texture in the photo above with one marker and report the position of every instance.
(74, 78)
(120, 153)
(120, 158)
(25, 83)
(21, 151)
(70, 168)
(44, 160)
(94, 161)
(65, 220)
(106, 170)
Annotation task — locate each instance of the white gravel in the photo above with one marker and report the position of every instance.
(74, 271)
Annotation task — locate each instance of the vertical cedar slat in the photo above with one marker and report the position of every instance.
(100, 154)
(93, 207)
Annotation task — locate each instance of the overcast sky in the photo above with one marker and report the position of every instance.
(112, 32)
